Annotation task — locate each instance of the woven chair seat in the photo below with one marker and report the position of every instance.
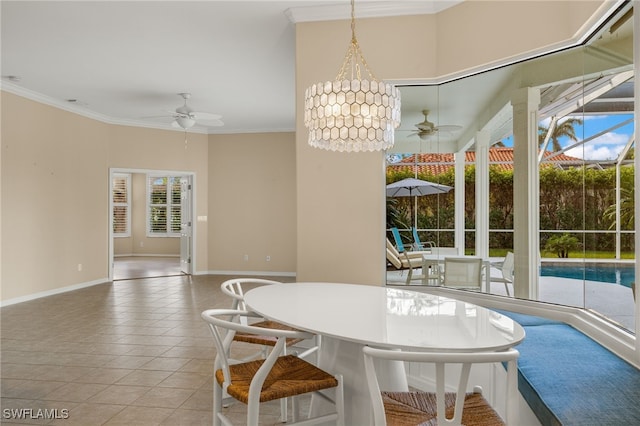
(265, 340)
(289, 376)
(419, 408)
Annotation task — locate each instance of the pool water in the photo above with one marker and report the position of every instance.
(615, 274)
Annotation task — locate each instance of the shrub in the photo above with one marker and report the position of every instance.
(562, 244)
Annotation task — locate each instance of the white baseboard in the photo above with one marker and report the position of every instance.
(145, 255)
(105, 280)
(52, 292)
(248, 273)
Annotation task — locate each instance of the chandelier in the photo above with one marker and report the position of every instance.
(352, 114)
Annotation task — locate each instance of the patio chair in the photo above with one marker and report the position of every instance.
(276, 377)
(442, 252)
(506, 269)
(418, 244)
(440, 407)
(464, 272)
(407, 260)
(397, 238)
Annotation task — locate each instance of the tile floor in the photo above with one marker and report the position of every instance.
(128, 267)
(132, 352)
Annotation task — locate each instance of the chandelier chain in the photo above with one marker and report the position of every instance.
(354, 55)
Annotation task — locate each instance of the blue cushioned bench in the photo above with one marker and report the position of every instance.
(567, 378)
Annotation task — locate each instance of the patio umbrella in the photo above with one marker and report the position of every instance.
(412, 187)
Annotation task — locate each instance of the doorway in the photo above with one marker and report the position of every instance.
(150, 223)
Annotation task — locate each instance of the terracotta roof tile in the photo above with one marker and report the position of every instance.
(435, 164)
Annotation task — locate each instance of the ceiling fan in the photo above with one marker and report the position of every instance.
(185, 117)
(426, 128)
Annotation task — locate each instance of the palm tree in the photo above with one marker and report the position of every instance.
(396, 216)
(627, 212)
(563, 128)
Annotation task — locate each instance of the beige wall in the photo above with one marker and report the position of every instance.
(341, 196)
(477, 33)
(54, 198)
(252, 209)
(55, 192)
(55, 195)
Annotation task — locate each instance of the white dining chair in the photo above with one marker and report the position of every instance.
(235, 290)
(442, 407)
(276, 377)
(464, 272)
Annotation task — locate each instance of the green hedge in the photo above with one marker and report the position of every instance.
(576, 198)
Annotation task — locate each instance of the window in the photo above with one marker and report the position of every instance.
(164, 210)
(585, 176)
(121, 193)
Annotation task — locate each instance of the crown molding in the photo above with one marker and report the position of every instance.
(370, 9)
(56, 103)
(79, 110)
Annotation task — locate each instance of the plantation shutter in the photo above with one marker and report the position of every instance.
(121, 193)
(164, 206)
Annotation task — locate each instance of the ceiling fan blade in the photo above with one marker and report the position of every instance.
(198, 115)
(448, 128)
(185, 118)
(408, 133)
(210, 123)
(165, 116)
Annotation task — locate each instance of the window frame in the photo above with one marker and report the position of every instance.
(169, 205)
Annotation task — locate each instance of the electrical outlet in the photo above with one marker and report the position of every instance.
(268, 258)
(79, 267)
(246, 257)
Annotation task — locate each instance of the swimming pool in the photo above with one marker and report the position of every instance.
(623, 274)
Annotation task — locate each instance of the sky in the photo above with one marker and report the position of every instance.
(604, 147)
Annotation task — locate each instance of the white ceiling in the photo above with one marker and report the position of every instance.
(125, 62)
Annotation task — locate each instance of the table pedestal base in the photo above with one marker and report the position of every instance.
(346, 358)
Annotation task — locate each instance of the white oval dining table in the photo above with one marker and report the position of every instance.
(349, 316)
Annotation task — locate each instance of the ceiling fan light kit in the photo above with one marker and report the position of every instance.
(185, 122)
(185, 117)
(352, 114)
